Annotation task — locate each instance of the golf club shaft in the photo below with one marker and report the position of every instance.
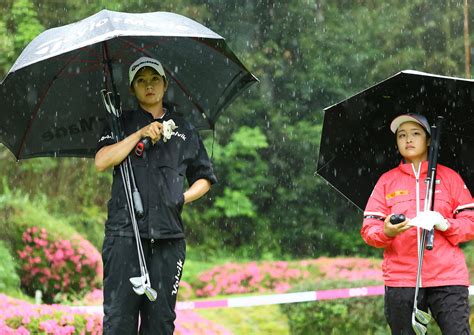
(421, 252)
(124, 171)
(141, 258)
(133, 195)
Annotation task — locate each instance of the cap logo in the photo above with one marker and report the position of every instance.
(144, 62)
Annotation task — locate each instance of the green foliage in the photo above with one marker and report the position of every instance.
(9, 280)
(6, 48)
(20, 212)
(26, 23)
(234, 216)
(69, 188)
(234, 204)
(342, 316)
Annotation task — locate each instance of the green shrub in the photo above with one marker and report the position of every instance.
(9, 279)
(363, 315)
(19, 212)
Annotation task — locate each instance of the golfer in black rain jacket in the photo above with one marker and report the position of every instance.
(160, 174)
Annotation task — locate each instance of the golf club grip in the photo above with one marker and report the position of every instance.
(142, 146)
(430, 240)
(137, 201)
(432, 168)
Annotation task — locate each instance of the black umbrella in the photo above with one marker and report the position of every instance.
(357, 145)
(51, 100)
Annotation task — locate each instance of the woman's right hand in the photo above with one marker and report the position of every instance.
(153, 131)
(392, 230)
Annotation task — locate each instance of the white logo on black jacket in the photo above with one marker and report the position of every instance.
(179, 266)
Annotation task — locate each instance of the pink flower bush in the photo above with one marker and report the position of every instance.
(94, 297)
(234, 278)
(279, 277)
(63, 266)
(351, 268)
(20, 317)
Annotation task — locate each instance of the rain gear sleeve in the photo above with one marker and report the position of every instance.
(400, 191)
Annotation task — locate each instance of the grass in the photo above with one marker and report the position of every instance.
(259, 320)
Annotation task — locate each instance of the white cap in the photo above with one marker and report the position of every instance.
(410, 117)
(143, 62)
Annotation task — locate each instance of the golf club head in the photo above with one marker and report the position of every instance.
(137, 281)
(422, 316)
(150, 293)
(140, 290)
(418, 328)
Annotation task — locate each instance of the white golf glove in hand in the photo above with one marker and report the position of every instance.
(168, 127)
(429, 219)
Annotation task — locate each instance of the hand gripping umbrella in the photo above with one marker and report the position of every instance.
(51, 97)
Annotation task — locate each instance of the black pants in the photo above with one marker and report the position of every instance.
(122, 306)
(449, 306)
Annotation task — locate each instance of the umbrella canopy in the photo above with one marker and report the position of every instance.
(357, 146)
(51, 103)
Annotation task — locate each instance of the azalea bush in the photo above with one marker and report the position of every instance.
(20, 317)
(67, 267)
(279, 277)
(233, 278)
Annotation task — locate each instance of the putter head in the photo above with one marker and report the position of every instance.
(418, 328)
(422, 316)
(150, 293)
(137, 281)
(140, 290)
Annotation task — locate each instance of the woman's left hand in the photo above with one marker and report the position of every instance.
(392, 230)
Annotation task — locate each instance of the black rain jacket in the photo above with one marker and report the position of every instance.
(159, 176)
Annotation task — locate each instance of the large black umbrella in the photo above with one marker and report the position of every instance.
(357, 145)
(50, 99)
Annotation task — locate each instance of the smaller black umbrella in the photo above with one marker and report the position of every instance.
(357, 145)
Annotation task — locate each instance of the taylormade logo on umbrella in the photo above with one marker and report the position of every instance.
(83, 126)
(111, 24)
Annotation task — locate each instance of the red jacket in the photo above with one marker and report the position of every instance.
(396, 193)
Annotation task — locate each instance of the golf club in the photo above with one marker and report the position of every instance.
(423, 317)
(141, 285)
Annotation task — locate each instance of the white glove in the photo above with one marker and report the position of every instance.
(168, 127)
(429, 219)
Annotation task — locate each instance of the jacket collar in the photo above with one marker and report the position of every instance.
(407, 168)
(148, 115)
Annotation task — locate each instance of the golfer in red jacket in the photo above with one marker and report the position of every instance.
(444, 278)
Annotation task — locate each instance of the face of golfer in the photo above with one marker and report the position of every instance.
(412, 142)
(149, 87)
